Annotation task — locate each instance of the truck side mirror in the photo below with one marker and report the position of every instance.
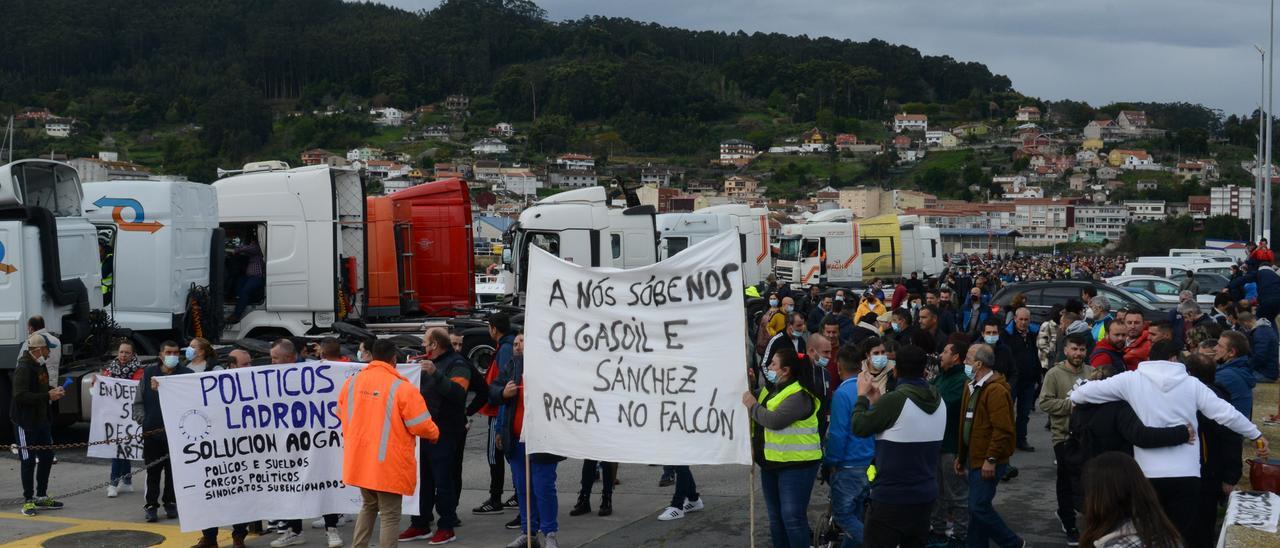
(506, 256)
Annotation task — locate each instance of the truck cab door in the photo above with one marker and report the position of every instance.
(812, 269)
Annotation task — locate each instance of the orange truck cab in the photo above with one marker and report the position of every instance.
(420, 251)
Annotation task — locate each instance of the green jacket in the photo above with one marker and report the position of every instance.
(1058, 384)
(30, 405)
(950, 385)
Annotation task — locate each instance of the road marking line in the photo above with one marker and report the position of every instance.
(172, 534)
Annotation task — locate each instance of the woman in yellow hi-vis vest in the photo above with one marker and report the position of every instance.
(786, 444)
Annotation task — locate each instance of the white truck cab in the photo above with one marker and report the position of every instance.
(48, 255)
(678, 231)
(826, 249)
(309, 224)
(162, 239)
(579, 227)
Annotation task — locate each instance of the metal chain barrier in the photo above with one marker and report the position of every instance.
(92, 488)
(15, 448)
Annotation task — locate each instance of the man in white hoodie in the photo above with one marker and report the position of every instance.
(1162, 394)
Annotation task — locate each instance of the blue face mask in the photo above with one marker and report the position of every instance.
(822, 361)
(968, 370)
(773, 302)
(771, 375)
(190, 353)
(788, 309)
(991, 339)
(171, 361)
(896, 328)
(879, 362)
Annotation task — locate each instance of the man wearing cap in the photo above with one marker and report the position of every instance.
(30, 415)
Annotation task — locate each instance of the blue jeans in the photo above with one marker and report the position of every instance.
(848, 492)
(249, 286)
(786, 496)
(120, 470)
(985, 524)
(1026, 396)
(542, 516)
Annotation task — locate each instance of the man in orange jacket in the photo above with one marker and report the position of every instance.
(381, 412)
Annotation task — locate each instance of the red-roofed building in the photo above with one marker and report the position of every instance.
(1028, 114)
(910, 122)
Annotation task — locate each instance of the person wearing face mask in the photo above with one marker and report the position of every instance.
(35, 326)
(953, 489)
(870, 304)
(200, 356)
(124, 366)
(847, 457)
(901, 326)
(876, 363)
(1099, 315)
(1058, 384)
(1110, 350)
(975, 312)
(146, 409)
(1188, 317)
(984, 446)
(30, 415)
(786, 445)
(794, 333)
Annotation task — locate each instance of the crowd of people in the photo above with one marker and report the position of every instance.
(910, 399)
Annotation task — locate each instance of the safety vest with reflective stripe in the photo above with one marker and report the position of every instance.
(798, 442)
(381, 413)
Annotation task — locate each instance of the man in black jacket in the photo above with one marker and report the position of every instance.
(1220, 467)
(146, 407)
(446, 377)
(1020, 336)
(30, 416)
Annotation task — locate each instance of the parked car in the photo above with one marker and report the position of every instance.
(1166, 291)
(1042, 295)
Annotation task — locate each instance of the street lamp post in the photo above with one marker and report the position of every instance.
(1265, 199)
(1258, 187)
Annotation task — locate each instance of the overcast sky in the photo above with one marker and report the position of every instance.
(1100, 51)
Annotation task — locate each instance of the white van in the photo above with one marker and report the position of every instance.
(1173, 271)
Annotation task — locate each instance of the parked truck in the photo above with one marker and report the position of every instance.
(678, 231)
(834, 248)
(48, 266)
(579, 227)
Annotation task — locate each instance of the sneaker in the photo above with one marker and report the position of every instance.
(522, 541)
(514, 524)
(128, 487)
(171, 511)
(29, 508)
(667, 480)
(112, 491)
(1073, 535)
(693, 506)
(671, 513)
(489, 507)
(442, 536)
(290, 539)
(1010, 474)
(206, 542)
(511, 503)
(414, 533)
(343, 519)
(335, 539)
(151, 515)
(549, 541)
(46, 503)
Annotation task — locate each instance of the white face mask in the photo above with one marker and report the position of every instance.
(42, 359)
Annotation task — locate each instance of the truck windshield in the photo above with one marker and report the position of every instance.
(54, 187)
(789, 250)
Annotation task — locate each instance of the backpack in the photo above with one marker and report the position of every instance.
(762, 333)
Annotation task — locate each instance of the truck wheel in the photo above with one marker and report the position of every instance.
(6, 393)
(480, 351)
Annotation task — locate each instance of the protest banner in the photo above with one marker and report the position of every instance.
(260, 443)
(1252, 519)
(112, 419)
(646, 365)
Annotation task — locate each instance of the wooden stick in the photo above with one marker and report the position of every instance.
(751, 497)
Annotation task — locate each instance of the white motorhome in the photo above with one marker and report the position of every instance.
(309, 223)
(678, 231)
(48, 263)
(579, 227)
(162, 238)
(827, 249)
(1211, 254)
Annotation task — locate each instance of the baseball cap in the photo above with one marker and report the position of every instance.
(36, 340)
(886, 317)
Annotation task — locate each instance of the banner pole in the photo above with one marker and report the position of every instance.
(751, 497)
(528, 509)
